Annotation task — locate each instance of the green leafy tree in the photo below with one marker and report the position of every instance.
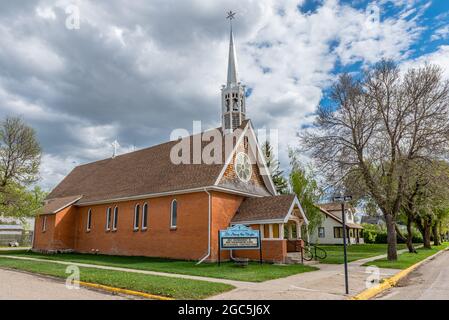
(20, 156)
(273, 165)
(20, 153)
(429, 205)
(306, 188)
(20, 202)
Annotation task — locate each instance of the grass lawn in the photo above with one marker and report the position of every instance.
(159, 285)
(355, 252)
(406, 260)
(254, 272)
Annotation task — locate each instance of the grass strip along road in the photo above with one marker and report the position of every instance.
(158, 285)
(406, 260)
(254, 272)
(355, 252)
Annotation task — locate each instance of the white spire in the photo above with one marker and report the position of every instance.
(232, 62)
(233, 103)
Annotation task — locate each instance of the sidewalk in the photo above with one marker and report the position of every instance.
(326, 283)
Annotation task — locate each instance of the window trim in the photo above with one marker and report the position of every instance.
(136, 217)
(324, 232)
(144, 216)
(44, 223)
(340, 231)
(108, 219)
(266, 231)
(89, 220)
(172, 226)
(115, 218)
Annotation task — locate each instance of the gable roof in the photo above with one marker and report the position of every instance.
(337, 217)
(57, 204)
(334, 206)
(271, 208)
(143, 172)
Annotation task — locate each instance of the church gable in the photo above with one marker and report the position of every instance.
(249, 177)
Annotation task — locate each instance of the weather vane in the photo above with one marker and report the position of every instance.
(231, 15)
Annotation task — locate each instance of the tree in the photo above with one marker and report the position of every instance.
(21, 202)
(414, 198)
(273, 165)
(377, 126)
(432, 205)
(306, 188)
(20, 153)
(20, 156)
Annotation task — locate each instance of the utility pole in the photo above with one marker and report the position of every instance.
(343, 200)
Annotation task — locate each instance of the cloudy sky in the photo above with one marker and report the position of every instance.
(136, 70)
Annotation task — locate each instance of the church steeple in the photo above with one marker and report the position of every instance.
(232, 62)
(233, 93)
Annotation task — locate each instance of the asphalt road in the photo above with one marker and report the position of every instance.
(429, 282)
(22, 286)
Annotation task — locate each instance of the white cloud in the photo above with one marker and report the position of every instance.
(46, 13)
(29, 51)
(440, 57)
(441, 33)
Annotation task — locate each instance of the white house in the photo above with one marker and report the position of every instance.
(331, 229)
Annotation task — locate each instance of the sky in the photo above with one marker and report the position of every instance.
(133, 71)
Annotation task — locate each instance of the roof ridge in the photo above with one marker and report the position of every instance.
(146, 148)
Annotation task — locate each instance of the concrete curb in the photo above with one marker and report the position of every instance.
(392, 281)
(122, 291)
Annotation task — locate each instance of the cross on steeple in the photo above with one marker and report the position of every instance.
(115, 146)
(231, 15)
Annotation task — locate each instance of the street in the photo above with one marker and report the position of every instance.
(428, 282)
(23, 286)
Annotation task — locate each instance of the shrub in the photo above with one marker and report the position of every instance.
(375, 234)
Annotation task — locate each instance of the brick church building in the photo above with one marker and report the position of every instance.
(142, 203)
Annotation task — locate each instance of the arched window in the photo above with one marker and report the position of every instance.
(174, 214)
(89, 220)
(108, 219)
(136, 216)
(44, 223)
(115, 220)
(145, 216)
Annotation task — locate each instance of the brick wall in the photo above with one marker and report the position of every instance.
(224, 207)
(44, 240)
(187, 241)
(68, 229)
(272, 251)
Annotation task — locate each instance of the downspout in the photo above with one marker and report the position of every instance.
(209, 227)
(34, 232)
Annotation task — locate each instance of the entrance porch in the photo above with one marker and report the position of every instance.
(279, 220)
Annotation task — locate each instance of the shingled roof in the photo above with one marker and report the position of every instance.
(336, 215)
(334, 206)
(144, 172)
(264, 208)
(57, 204)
